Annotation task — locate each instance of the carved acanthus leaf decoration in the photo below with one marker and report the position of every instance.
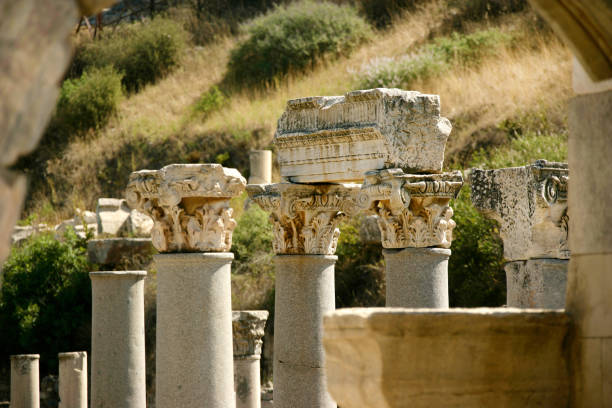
(305, 218)
(413, 210)
(248, 331)
(189, 204)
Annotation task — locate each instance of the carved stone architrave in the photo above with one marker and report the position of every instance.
(413, 209)
(306, 216)
(248, 330)
(337, 139)
(189, 204)
(530, 203)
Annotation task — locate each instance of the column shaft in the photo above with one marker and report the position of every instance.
(25, 387)
(247, 382)
(304, 292)
(73, 380)
(536, 283)
(117, 340)
(194, 356)
(417, 277)
(260, 166)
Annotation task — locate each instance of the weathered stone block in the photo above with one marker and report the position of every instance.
(400, 358)
(530, 203)
(339, 138)
(116, 251)
(140, 224)
(112, 216)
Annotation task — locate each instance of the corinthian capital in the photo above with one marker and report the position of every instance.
(189, 204)
(248, 330)
(413, 209)
(306, 217)
(530, 203)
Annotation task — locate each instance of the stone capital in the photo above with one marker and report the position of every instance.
(189, 204)
(337, 139)
(413, 209)
(305, 216)
(248, 331)
(530, 203)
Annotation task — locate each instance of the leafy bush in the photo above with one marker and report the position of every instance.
(143, 52)
(359, 271)
(523, 150)
(89, 101)
(433, 59)
(382, 13)
(252, 242)
(475, 269)
(210, 101)
(45, 300)
(294, 38)
(477, 10)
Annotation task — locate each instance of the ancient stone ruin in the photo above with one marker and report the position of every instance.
(530, 204)
(367, 152)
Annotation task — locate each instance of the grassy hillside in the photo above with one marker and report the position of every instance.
(522, 86)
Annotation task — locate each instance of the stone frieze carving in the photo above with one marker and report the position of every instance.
(306, 217)
(530, 203)
(413, 210)
(337, 139)
(189, 204)
(248, 331)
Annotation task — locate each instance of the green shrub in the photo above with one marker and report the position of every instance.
(89, 101)
(252, 242)
(382, 13)
(477, 10)
(359, 271)
(433, 59)
(45, 299)
(294, 38)
(143, 52)
(475, 270)
(210, 101)
(524, 149)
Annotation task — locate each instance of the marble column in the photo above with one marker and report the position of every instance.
(417, 277)
(260, 166)
(416, 228)
(193, 225)
(248, 330)
(530, 204)
(305, 219)
(117, 340)
(590, 270)
(73, 379)
(194, 315)
(25, 386)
